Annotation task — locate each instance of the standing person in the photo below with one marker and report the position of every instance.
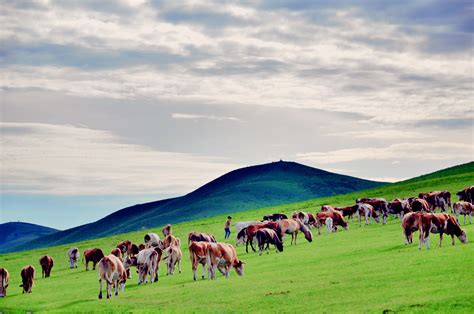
(227, 227)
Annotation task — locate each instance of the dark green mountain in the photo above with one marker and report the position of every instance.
(17, 233)
(246, 188)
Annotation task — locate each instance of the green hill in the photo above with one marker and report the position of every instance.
(18, 233)
(239, 190)
(363, 269)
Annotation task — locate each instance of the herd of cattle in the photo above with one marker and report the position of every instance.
(416, 213)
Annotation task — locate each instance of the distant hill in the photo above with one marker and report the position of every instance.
(18, 233)
(242, 189)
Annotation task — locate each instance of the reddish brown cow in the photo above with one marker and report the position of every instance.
(201, 236)
(336, 217)
(141, 247)
(420, 205)
(293, 226)
(327, 208)
(27, 278)
(252, 230)
(435, 199)
(92, 255)
(125, 247)
(117, 252)
(46, 263)
(467, 194)
(439, 223)
(4, 279)
(348, 211)
(465, 209)
(166, 230)
(380, 205)
(222, 256)
(171, 240)
(409, 225)
(198, 255)
(268, 236)
(399, 207)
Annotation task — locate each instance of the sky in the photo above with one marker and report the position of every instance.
(112, 103)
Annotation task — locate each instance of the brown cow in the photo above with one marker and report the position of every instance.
(380, 205)
(410, 224)
(46, 263)
(348, 211)
(337, 220)
(125, 247)
(117, 252)
(92, 255)
(305, 218)
(327, 208)
(463, 208)
(435, 199)
(420, 205)
(141, 247)
(198, 255)
(166, 230)
(171, 240)
(439, 223)
(134, 261)
(252, 230)
(4, 279)
(173, 257)
(113, 272)
(268, 236)
(201, 236)
(466, 194)
(27, 278)
(222, 256)
(293, 226)
(399, 207)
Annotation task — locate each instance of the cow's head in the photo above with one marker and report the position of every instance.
(130, 261)
(463, 237)
(239, 267)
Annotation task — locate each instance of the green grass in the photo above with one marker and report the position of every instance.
(364, 269)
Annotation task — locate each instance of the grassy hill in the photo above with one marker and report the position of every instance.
(363, 269)
(239, 190)
(17, 233)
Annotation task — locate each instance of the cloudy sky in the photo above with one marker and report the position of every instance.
(105, 104)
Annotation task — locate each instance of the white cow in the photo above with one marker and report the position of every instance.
(151, 240)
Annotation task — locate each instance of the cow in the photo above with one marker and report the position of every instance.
(268, 236)
(380, 205)
(73, 255)
(435, 199)
(466, 195)
(46, 263)
(241, 236)
(399, 207)
(293, 226)
(201, 236)
(126, 247)
(111, 270)
(273, 217)
(133, 261)
(252, 230)
(409, 225)
(439, 223)
(171, 240)
(92, 255)
(348, 211)
(420, 205)
(327, 208)
(305, 218)
(337, 220)
(367, 211)
(27, 278)
(198, 255)
(463, 208)
(4, 279)
(117, 252)
(166, 230)
(173, 257)
(147, 264)
(151, 240)
(222, 256)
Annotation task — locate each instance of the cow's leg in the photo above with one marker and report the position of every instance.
(251, 245)
(179, 265)
(319, 229)
(203, 268)
(116, 287)
(100, 288)
(420, 240)
(384, 217)
(452, 239)
(366, 214)
(470, 218)
(440, 238)
(464, 218)
(359, 217)
(247, 245)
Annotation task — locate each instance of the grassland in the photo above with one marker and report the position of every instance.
(364, 269)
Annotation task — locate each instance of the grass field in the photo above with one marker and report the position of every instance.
(364, 269)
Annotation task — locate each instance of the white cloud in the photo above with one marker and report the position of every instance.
(200, 116)
(416, 151)
(69, 160)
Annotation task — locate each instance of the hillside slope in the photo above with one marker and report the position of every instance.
(394, 277)
(17, 233)
(239, 190)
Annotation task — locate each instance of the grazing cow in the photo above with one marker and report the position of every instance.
(125, 247)
(241, 236)
(399, 207)
(327, 208)
(463, 208)
(337, 220)
(441, 199)
(173, 257)
(198, 255)
(329, 223)
(252, 230)
(166, 230)
(420, 205)
(27, 278)
(467, 194)
(305, 218)
(439, 223)
(293, 226)
(92, 255)
(151, 240)
(410, 224)
(171, 240)
(133, 261)
(46, 263)
(268, 236)
(348, 211)
(367, 211)
(113, 272)
(147, 264)
(274, 217)
(73, 255)
(4, 279)
(380, 205)
(117, 252)
(222, 256)
(201, 236)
